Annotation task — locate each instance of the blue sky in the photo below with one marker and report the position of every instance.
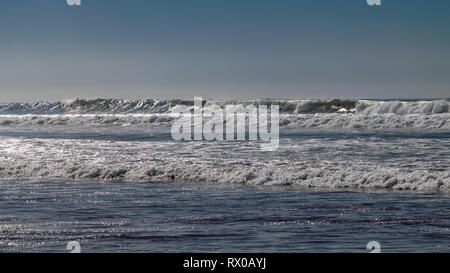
(224, 49)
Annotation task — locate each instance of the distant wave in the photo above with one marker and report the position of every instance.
(361, 114)
(153, 106)
(402, 107)
(318, 121)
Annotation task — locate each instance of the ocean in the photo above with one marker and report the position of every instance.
(107, 174)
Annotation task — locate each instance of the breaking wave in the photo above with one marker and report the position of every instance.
(152, 106)
(362, 114)
(402, 107)
(354, 177)
(317, 121)
(318, 161)
(314, 162)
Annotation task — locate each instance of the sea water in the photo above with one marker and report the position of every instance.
(108, 175)
(44, 216)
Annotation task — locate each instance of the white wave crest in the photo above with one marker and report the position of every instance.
(354, 177)
(324, 121)
(311, 163)
(153, 106)
(366, 107)
(367, 121)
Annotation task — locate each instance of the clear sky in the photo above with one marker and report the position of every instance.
(224, 49)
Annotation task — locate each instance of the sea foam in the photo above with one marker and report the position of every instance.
(313, 163)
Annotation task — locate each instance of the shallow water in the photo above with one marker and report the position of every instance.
(43, 216)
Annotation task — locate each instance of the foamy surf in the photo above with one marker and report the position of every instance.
(153, 106)
(332, 114)
(317, 160)
(357, 144)
(324, 121)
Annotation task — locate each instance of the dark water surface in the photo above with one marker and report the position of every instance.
(43, 216)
